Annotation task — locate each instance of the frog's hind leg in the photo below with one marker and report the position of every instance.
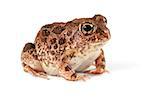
(30, 61)
(99, 64)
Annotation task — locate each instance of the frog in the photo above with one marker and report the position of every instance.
(67, 49)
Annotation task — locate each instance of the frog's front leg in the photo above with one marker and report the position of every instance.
(99, 64)
(66, 71)
(30, 61)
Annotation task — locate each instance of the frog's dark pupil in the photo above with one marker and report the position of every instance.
(87, 28)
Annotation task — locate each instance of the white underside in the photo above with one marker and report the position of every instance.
(83, 61)
(78, 63)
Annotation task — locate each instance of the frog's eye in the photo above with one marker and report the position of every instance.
(87, 28)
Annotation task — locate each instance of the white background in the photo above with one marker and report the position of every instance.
(127, 53)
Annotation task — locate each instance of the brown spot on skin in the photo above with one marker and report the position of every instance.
(44, 39)
(92, 38)
(35, 57)
(39, 51)
(50, 47)
(72, 55)
(28, 46)
(62, 41)
(53, 58)
(56, 58)
(55, 46)
(58, 29)
(45, 32)
(38, 45)
(64, 59)
(42, 53)
(31, 51)
(61, 52)
(53, 41)
(74, 75)
(52, 52)
(71, 39)
(69, 33)
(67, 68)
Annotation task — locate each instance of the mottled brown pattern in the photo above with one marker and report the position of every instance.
(67, 68)
(53, 40)
(45, 32)
(62, 41)
(58, 29)
(55, 46)
(69, 33)
(74, 75)
(44, 39)
(53, 52)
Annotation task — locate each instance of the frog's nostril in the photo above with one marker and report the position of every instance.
(106, 33)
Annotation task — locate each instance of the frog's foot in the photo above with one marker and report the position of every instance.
(34, 72)
(66, 71)
(96, 71)
(76, 77)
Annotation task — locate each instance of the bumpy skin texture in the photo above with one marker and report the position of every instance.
(63, 49)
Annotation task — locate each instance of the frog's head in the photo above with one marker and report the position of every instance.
(94, 30)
